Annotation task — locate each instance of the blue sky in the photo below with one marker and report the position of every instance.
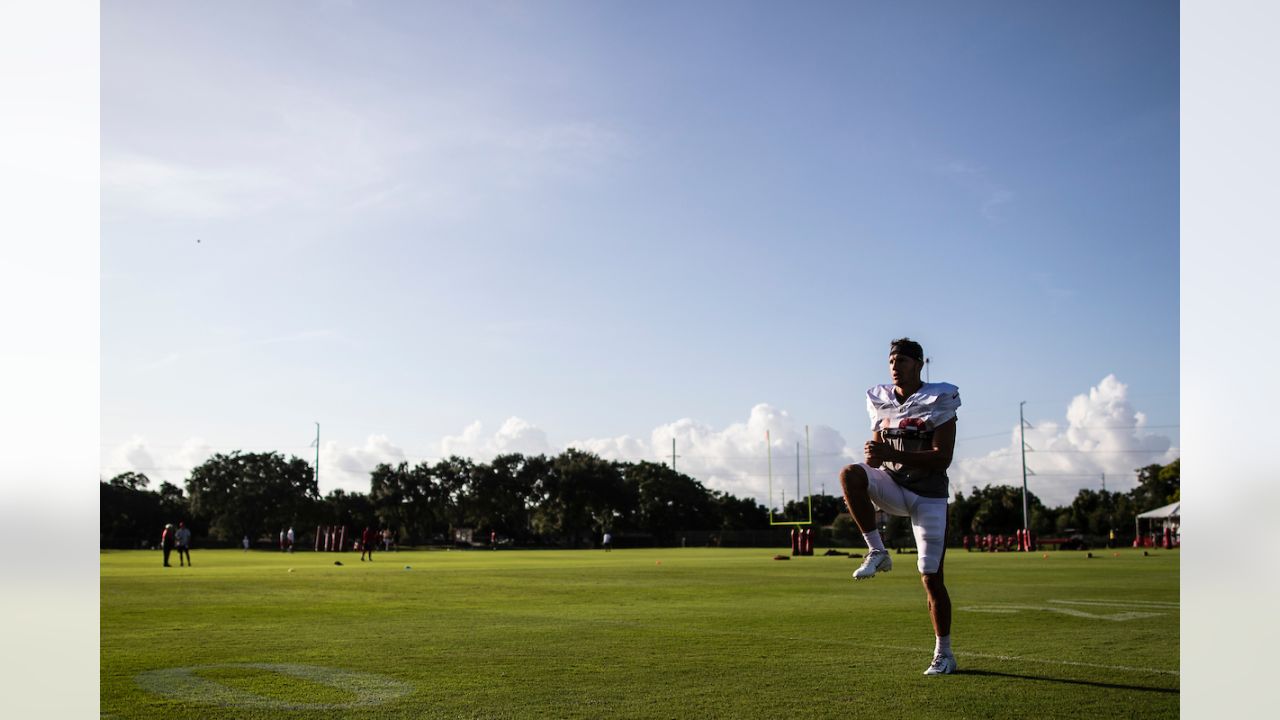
(442, 227)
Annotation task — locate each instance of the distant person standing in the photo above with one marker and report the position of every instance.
(289, 537)
(281, 539)
(183, 539)
(367, 540)
(166, 542)
(246, 543)
(386, 539)
(608, 542)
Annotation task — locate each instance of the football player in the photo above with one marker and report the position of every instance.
(913, 435)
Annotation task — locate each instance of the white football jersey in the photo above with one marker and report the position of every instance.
(908, 426)
(932, 405)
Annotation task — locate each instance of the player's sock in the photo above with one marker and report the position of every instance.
(943, 646)
(873, 540)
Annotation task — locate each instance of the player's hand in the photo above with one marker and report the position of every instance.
(876, 452)
(870, 458)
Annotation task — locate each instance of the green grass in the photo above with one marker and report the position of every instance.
(675, 633)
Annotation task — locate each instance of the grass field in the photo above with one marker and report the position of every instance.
(673, 633)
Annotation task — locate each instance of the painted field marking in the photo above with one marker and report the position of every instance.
(1113, 617)
(1121, 603)
(182, 683)
(1025, 659)
(897, 648)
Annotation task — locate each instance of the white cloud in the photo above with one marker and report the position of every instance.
(174, 466)
(133, 456)
(515, 436)
(192, 453)
(1103, 434)
(736, 459)
(348, 468)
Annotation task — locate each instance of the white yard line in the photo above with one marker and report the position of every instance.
(1121, 603)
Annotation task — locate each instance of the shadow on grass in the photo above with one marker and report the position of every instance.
(1090, 683)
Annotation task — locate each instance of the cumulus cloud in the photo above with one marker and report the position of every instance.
(515, 436)
(736, 459)
(348, 468)
(341, 467)
(133, 456)
(171, 465)
(1102, 433)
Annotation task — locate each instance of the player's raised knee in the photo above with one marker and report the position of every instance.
(853, 477)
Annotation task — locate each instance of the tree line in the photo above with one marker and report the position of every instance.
(566, 500)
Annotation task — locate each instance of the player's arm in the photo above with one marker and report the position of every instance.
(936, 458)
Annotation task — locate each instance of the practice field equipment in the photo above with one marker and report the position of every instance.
(801, 541)
(331, 538)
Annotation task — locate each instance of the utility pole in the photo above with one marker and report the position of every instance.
(1022, 436)
(926, 369)
(673, 454)
(1107, 499)
(317, 457)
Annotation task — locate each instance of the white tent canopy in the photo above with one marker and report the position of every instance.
(1170, 512)
(1168, 518)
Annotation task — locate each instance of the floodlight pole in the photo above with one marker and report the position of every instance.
(317, 457)
(1022, 437)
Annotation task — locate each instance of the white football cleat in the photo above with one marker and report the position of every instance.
(876, 561)
(942, 665)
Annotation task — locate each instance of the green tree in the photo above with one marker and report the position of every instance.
(390, 492)
(131, 480)
(497, 496)
(845, 532)
(580, 497)
(249, 494)
(414, 502)
(129, 515)
(352, 510)
(450, 478)
(1158, 485)
(667, 501)
(825, 509)
(737, 513)
(992, 509)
